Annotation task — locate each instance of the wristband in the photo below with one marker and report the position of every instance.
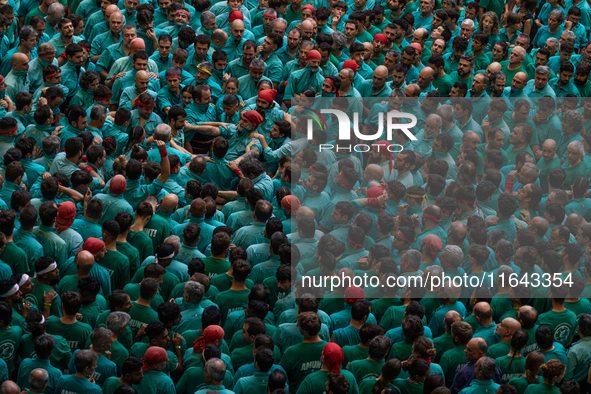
(509, 185)
(46, 304)
(88, 169)
(163, 153)
(372, 201)
(237, 171)
(113, 78)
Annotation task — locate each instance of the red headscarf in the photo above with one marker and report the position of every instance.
(434, 243)
(66, 213)
(154, 356)
(382, 147)
(353, 293)
(333, 357)
(118, 184)
(352, 64)
(210, 335)
(381, 37)
(291, 202)
(314, 55)
(311, 8)
(417, 47)
(374, 193)
(235, 15)
(253, 117)
(268, 95)
(93, 245)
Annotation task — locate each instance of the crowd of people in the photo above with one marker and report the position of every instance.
(175, 199)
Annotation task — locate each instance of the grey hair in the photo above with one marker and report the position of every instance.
(38, 379)
(553, 39)
(100, 335)
(379, 346)
(162, 132)
(195, 292)
(521, 51)
(558, 14)
(450, 291)
(349, 72)
(174, 240)
(206, 65)
(97, 112)
(216, 369)
(543, 70)
(579, 145)
(488, 367)
(206, 16)
(306, 43)
(28, 31)
(446, 112)
(280, 20)
(55, 8)
(271, 11)
(504, 272)
(434, 270)
(454, 254)
(414, 258)
(469, 22)
(571, 36)
(339, 38)
(398, 93)
(395, 54)
(50, 144)
(573, 118)
(46, 47)
(257, 63)
(117, 321)
(531, 170)
(438, 118)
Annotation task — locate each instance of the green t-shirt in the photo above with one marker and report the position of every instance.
(365, 369)
(36, 297)
(118, 266)
(193, 379)
(126, 339)
(10, 340)
(300, 360)
(132, 253)
(498, 350)
(142, 243)
(316, 383)
(406, 387)
(224, 281)
(541, 388)
(111, 384)
(140, 315)
(353, 353)
(452, 361)
(521, 383)
(215, 267)
(563, 324)
(77, 334)
(443, 343)
(512, 367)
(232, 300)
(60, 356)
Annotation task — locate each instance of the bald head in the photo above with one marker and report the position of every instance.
(84, 261)
(19, 61)
(493, 68)
(520, 78)
(169, 203)
(137, 44)
(381, 71)
(539, 226)
(412, 90)
(111, 10)
(305, 211)
(483, 313)
(38, 380)
(219, 37)
(507, 328)
(549, 144)
(237, 24)
(9, 387)
(307, 24)
(476, 348)
(374, 171)
(527, 316)
(450, 318)
(458, 230)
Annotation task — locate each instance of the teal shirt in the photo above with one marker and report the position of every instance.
(70, 384)
(52, 244)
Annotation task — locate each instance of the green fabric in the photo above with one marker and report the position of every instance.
(77, 334)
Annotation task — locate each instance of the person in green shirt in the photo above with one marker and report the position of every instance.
(484, 372)
(533, 363)
(214, 374)
(46, 276)
(118, 323)
(235, 298)
(579, 351)
(257, 383)
(217, 263)
(562, 321)
(513, 364)
(453, 360)
(141, 313)
(10, 336)
(137, 237)
(371, 367)
(155, 380)
(131, 374)
(44, 346)
(75, 332)
(47, 235)
(552, 371)
(123, 245)
(418, 370)
(300, 360)
(158, 336)
(101, 341)
(505, 330)
(81, 382)
(114, 261)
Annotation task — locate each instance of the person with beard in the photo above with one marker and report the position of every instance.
(269, 110)
(562, 85)
(11, 293)
(273, 65)
(238, 136)
(582, 79)
(46, 277)
(464, 71)
(249, 83)
(307, 78)
(426, 137)
(116, 51)
(236, 38)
